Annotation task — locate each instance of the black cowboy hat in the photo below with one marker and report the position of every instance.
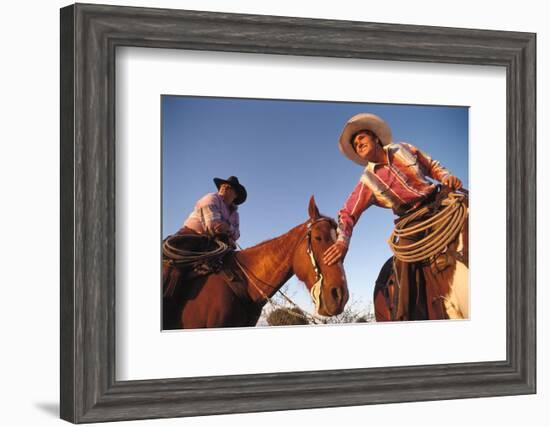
(233, 181)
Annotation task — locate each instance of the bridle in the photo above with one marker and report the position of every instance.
(317, 287)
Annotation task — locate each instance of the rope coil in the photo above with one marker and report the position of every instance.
(188, 257)
(441, 229)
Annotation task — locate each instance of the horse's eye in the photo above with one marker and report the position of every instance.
(318, 238)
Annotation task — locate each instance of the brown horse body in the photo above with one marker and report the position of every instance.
(210, 302)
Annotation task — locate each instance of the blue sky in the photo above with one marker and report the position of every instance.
(286, 151)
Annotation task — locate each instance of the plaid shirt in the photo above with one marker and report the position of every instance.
(210, 210)
(400, 185)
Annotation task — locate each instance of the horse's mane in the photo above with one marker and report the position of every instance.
(275, 241)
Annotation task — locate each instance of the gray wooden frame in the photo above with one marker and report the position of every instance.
(90, 35)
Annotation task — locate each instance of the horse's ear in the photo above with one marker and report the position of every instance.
(313, 210)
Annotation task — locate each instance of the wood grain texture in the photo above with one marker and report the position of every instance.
(67, 307)
(89, 37)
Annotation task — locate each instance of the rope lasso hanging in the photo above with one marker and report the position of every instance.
(441, 229)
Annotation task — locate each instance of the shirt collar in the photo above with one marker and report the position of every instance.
(231, 208)
(371, 165)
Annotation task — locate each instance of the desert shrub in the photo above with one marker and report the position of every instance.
(286, 316)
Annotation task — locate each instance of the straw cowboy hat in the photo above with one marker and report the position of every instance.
(363, 121)
(233, 181)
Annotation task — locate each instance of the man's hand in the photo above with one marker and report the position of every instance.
(452, 182)
(220, 227)
(335, 253)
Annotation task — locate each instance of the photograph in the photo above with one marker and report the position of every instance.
(279, 212)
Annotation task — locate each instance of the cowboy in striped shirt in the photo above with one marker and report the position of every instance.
(395, 176)
(216, 214)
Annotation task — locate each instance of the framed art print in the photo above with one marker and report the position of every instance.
(209, 160)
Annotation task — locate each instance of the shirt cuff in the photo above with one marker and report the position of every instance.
(343, 239)
(443, 174)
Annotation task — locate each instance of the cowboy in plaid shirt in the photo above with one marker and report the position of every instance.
(217, 214)
(395, 176)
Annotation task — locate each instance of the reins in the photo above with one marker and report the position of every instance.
(252, 278)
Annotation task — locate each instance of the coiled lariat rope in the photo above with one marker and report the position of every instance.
(441, 229)
(188, 257)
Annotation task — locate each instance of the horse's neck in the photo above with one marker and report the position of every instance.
(270, 263)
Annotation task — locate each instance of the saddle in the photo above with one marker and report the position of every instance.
(187, 256)
(387, 286)
(236, 281)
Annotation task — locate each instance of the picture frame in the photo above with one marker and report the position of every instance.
(90, 35)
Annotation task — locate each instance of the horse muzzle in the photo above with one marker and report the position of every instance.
(331, 301)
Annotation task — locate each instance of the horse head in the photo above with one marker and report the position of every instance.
(327, 284)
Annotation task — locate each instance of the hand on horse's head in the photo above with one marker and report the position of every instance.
(336, 252)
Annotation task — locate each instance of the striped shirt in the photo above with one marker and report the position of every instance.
(400, 185)
(209, 211)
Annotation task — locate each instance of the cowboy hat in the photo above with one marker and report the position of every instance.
(233, 181)
(363, 121)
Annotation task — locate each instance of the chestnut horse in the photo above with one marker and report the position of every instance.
(213, 301)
